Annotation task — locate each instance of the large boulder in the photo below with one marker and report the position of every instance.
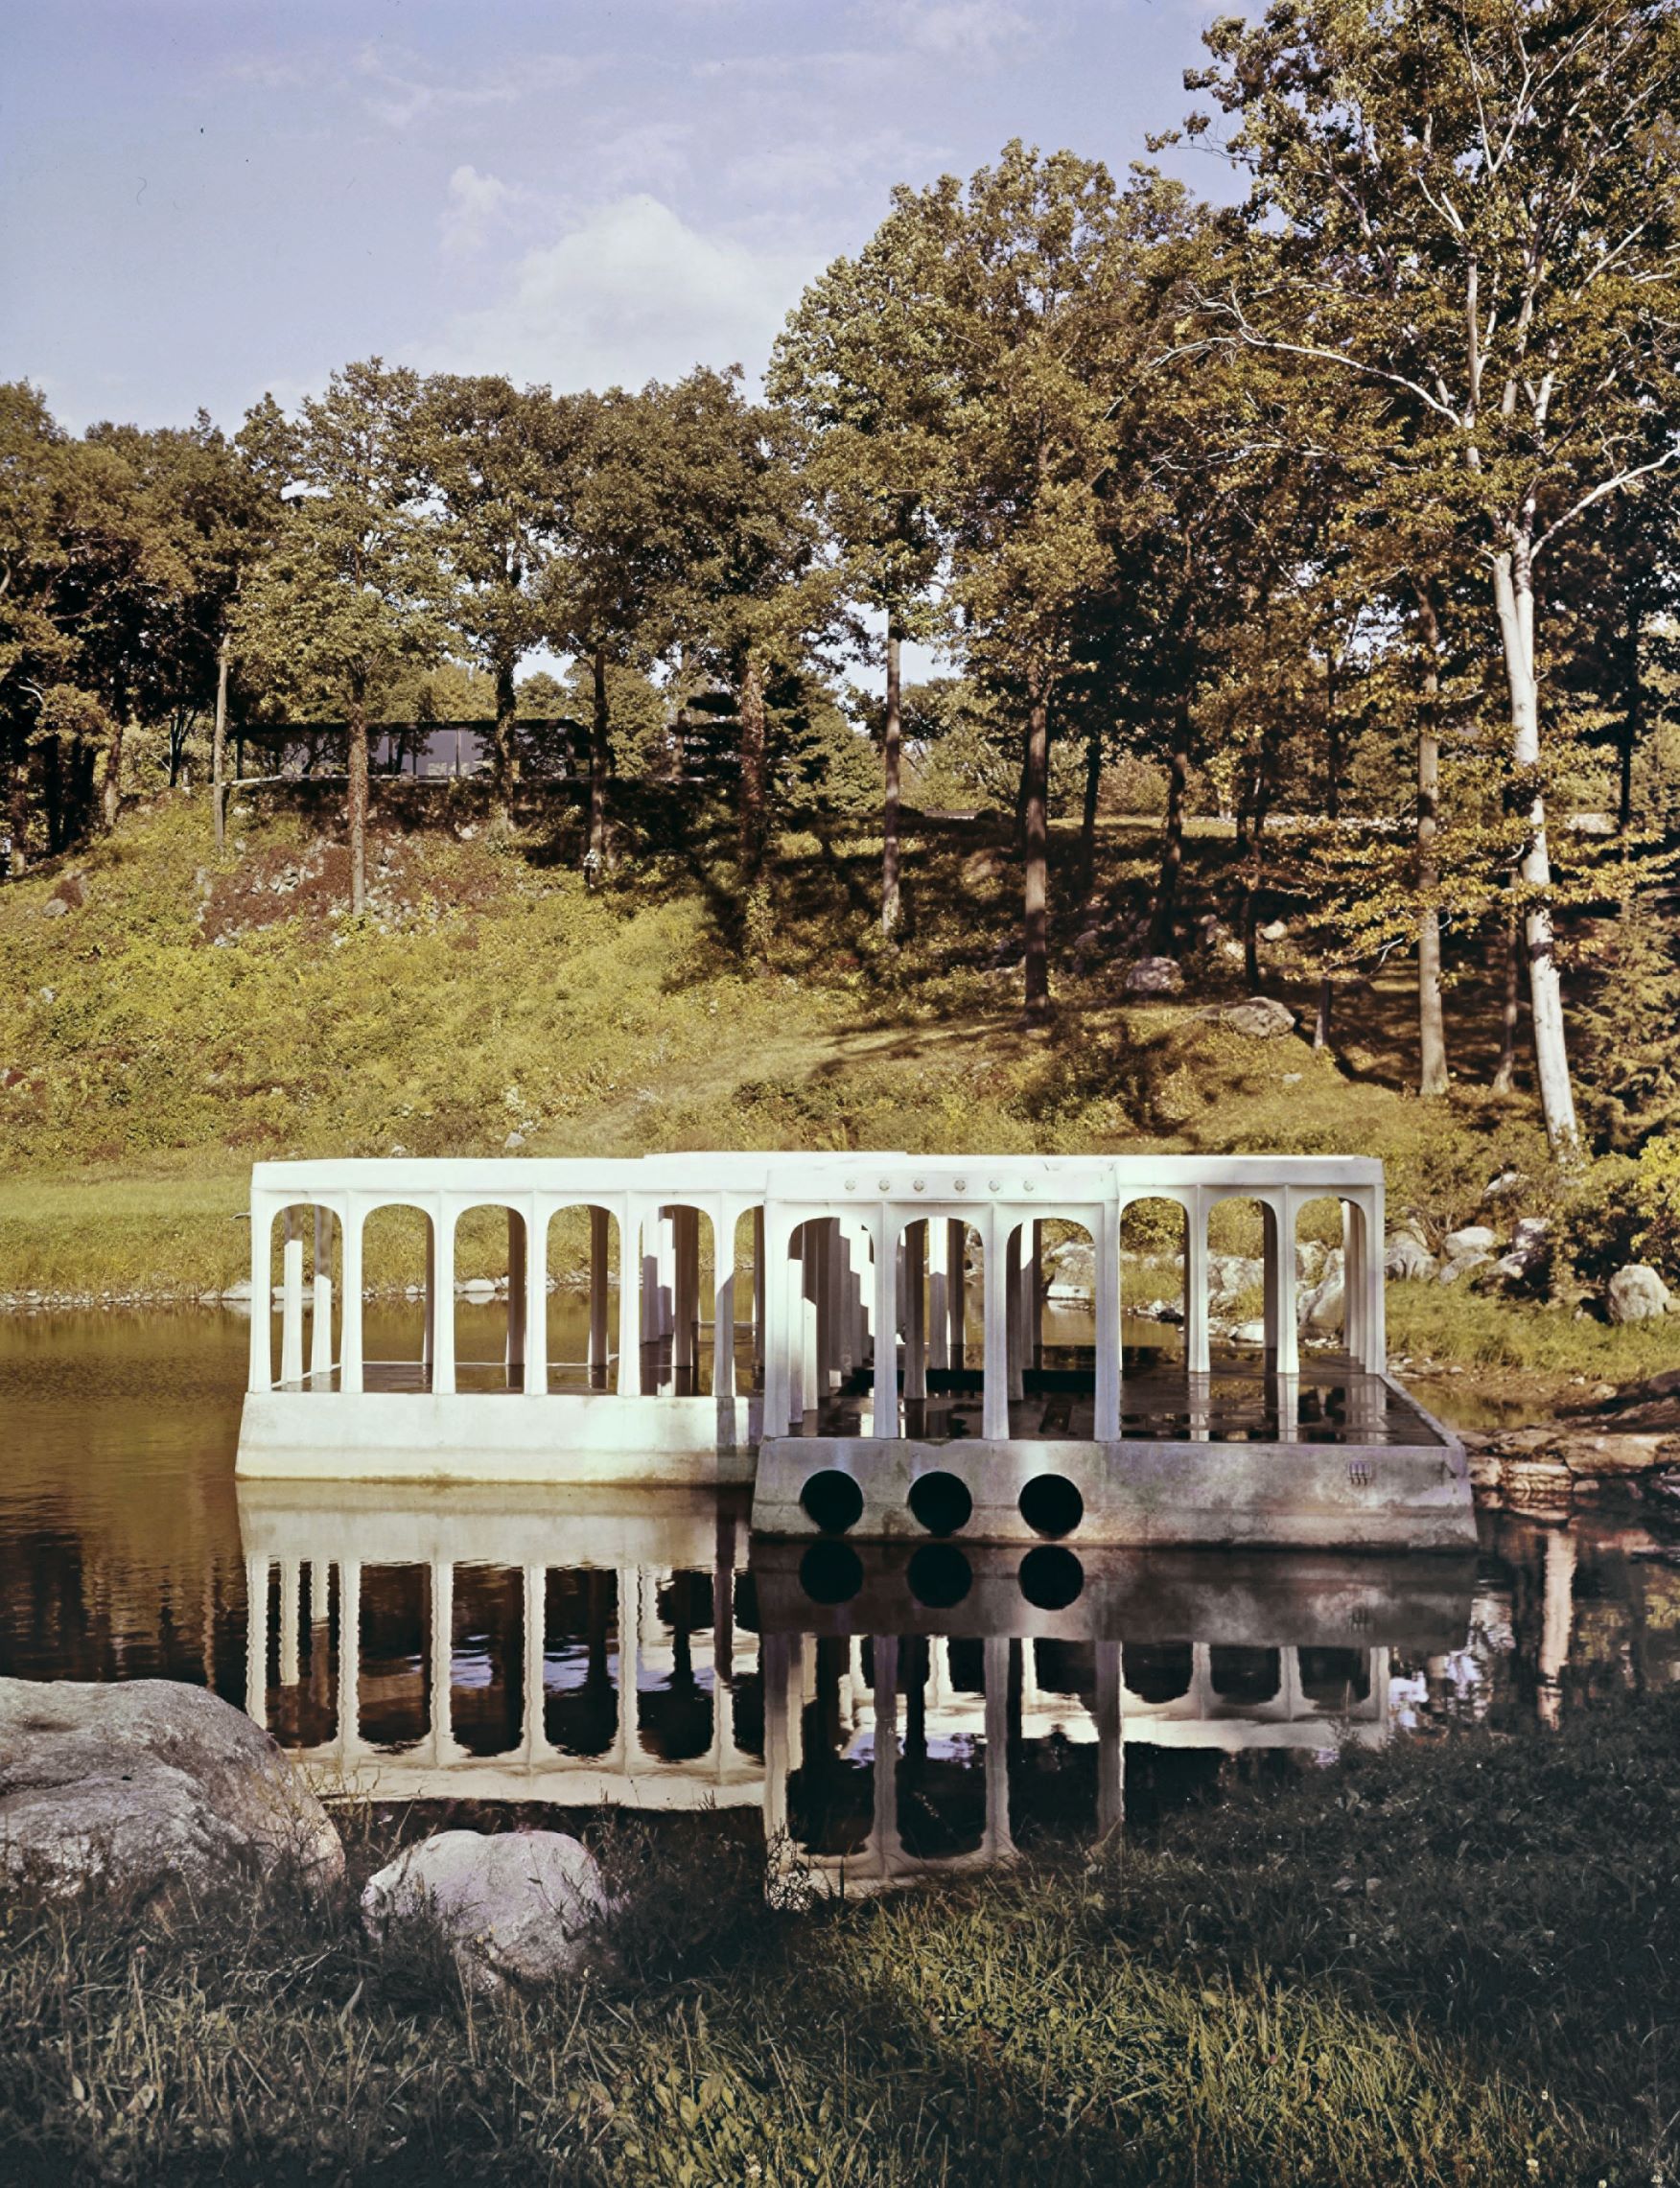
(1154, 976)
(514, 1907)
(1407, 1259)
(148, 1785)
(1260, 1017)
(1529, 1257)
(1230, 1274)
(1474, 1237)
(1463, 1264)
(1638, 1295)
(1323, 1308)
(1072, 1270)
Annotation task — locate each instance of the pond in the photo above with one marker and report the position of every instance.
(884, 1712)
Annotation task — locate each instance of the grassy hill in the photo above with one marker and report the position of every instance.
(182, 1017)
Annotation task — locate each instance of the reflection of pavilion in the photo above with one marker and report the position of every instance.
(882, 1737)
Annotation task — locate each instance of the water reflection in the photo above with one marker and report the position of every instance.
(884, 1712)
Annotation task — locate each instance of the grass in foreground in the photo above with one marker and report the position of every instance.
(1449, 1964)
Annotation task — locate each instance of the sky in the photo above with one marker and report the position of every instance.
(205, 199)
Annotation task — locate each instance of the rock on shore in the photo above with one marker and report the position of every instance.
(148, 1785)
(516, 1905)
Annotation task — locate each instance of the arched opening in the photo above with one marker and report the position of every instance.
(305, 1262)
(830, 1328)
(488, 1645)
(391, 1678)
(580, 1661)
(1320, 1252)
(675, 1701)
(580, 1262)
(1334, 1680)
(399, 1329)
(830, 1790)
(1244, 1678)
(485, 1286)
(942, 1765)
(1157, 1672)
(301, 1707)
(676, 1260)
(1051, 1340)
(1155, 1305)
(941, 1321)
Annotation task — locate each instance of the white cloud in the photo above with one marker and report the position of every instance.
(403, 90)
(629, 294)
(978, 30)
(471, 207)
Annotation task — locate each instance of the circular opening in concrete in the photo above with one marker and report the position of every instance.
(940, 1502)
(832, 1500)
(830, 1573)
(940, 1576)
(1051, 1504)
(1051, 1578)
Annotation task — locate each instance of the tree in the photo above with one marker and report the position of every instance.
(490, 459)
(1473, 210)
(346, 599)
(859, 367)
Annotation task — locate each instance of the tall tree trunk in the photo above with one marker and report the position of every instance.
(1035, 781)
(594, 857)
(358, 801)
(1088, 819)
(1431, 1032)
(1514, 597)
(1510, 1012)
(1333, 814)
(505, 757)
(52, 792)
(892, 735)
(1633, 711)
(750, 812)
(219, 751)
(1163, 925)
(112, 790)
(1265, 773)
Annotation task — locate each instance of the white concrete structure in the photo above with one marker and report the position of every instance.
(945, 1255)
(849, 1689)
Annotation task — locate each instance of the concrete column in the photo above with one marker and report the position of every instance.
(536, 1301)
(1557, 1621)
(442, 1656)
(995, 1346)
(515, 1348)
(887, 1845)
(1110, 1740)
(759, 1292)
(1282, 1334)
(939, 1313)
(349, 1656)
(957, 1295)
(770, 1314)
(1289, 1683)
(1195, 1341)
(261, 1375)
(886, 1327)
(1287, 1389)
(1105, 1284)
(350, 1301)
(443, 1330)
(429, 1321)
(793, 1338)
(685, 1296)
(320, 1320)
(291, 1590)
(536, 1592)
(257, 1640)
(824, 1287)
(1015, 1289)
(597, 1324)
(629, 1655)
(667, 1278)
(629, 1301)
(774, 1653)
(915, 1311)
(1201, 1696)
(1375, 1358)
(998, 1842)
(1354, 1300)
(1036, 1297)
(292, 1303)
(723, 1306)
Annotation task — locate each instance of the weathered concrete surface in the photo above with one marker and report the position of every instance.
(514, 1907)
(149, 1784)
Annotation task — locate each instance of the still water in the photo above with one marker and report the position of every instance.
(884, 1712)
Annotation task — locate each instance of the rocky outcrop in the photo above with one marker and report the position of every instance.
(148, 1785)
(514, 1907)
(1258, 1017)
(1407, 1260)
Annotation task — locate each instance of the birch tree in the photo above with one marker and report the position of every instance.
(1472, 209)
